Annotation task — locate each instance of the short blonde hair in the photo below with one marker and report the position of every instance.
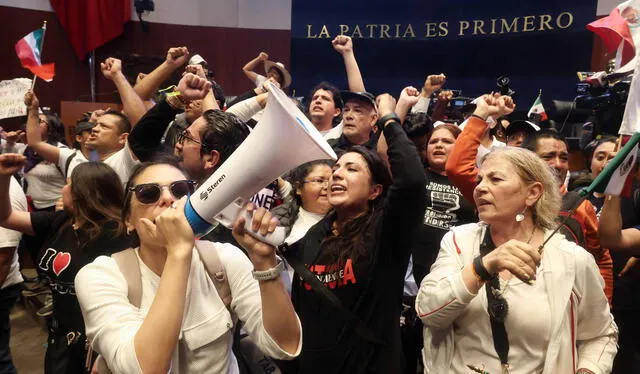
(531, 168)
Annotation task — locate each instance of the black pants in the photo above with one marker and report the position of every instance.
(628, 358)
(8, 298)
(66, 351)
(411, 334)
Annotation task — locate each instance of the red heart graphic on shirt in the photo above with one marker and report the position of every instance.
(61, 262)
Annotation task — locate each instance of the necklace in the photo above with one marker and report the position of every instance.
(504, 285)
(531, 236)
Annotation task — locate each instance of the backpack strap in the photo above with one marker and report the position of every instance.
(66, 165)
(129, 266)
(212, 264)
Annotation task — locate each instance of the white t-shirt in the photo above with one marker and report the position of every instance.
(260, 79)
(45, 184)
(483, 151)
(11, 238)
(122, 162)
(44, 180)
(334, 133)
(303, 223)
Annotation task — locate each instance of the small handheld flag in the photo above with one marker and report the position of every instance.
(29, 51)
(537, 112)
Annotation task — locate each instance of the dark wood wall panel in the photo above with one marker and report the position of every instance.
(225, 49)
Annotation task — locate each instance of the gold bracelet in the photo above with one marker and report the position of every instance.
(174, 102)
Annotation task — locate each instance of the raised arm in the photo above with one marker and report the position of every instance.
(344, 45)
(209, 102)
(147, 87)
(406, 195)
(246, 109)
(250, 66)
(461, 166)
(610, 229)
(145, 138)
(132, 104)
(9, 218)
(408, 98)
(49, 152)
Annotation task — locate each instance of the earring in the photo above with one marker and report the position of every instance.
(128, 231)
(520, 216)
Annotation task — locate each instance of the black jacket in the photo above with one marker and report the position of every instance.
(373, 289)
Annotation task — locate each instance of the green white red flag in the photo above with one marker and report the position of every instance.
(616, 178)
(537, 111)
(29, 50)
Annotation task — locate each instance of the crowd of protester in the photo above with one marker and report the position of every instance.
(427, 246)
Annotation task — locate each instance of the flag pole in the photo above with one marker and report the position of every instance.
(44, 31)
(563, 221)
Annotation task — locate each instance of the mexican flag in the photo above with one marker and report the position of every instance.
(537, 112)
(617, 176)
(29, 50)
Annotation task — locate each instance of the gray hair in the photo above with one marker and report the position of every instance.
(531, 168)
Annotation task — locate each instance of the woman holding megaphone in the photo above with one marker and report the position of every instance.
(350, 266)
(179, 321)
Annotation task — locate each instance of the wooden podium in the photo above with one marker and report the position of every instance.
(71, 112)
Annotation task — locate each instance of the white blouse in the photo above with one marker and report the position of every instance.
(206, 336)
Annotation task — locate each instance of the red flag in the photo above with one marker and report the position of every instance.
(613, 29)
(90, 24)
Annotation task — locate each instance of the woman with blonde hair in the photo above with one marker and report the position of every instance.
(506, 296)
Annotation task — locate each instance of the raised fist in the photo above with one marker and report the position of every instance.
(342, 44)
(386, 104)
(111, 68)
(409, 96)
(434, 83)
(195, 69)
(445, 96)
(31, 101)
(178, 56)
(192, 87)
(11, 163)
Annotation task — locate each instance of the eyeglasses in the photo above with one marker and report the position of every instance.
(317, 181)
(149, 193)
(185, 135)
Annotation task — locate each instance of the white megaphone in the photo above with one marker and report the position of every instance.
(283, 139)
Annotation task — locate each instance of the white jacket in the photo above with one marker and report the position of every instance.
(584, 334)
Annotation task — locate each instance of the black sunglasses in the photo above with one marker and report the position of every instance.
(149, 193)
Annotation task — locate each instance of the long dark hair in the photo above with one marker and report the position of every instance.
(97, 197)
(355, 236)
(55, 129)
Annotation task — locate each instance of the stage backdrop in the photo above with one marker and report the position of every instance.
(538, 44)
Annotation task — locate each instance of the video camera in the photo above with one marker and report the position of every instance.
(457, 107)
(601, 90)
(606, 95)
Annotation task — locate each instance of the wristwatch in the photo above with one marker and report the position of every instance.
(387, 117)
(269, 274)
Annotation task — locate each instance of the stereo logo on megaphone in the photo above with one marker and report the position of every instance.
(204, 195)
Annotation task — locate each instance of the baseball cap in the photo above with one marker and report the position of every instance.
(362, 96)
